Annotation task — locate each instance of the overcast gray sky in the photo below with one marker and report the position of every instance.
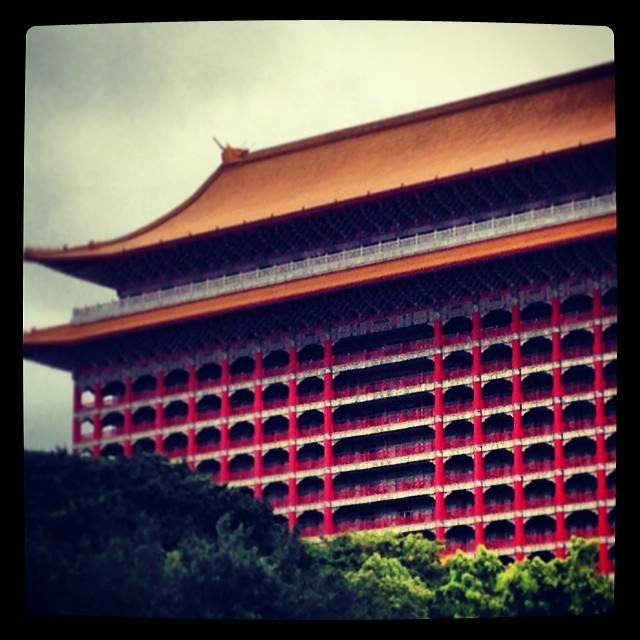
(120, 120)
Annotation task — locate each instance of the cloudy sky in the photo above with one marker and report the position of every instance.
(120, 120)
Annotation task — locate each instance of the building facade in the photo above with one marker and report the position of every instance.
(409, 324)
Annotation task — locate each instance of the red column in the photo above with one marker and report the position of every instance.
(603, 524)
(478, 467)
(558, 422)
(224, 436)
(478, 436)
(191, 370)
(97, 427)
(477, 394)
(258, 371)
(516, 353)
(556, 346)
(438, 338)
(478, 502)
(128, 448)
(598, 370)
(558, 458)
(560, 534)
(477, 360)
(257, 491)
(293, 392)
(476, 326)
(597, 303)
(519, 537)
(557, 382)
(598, 344)
(439, 475)
(438, 371)
(258, 438)
(192, 411)
(328, 352)
(191, 442)
(293, 458)
(515, 318)
(257, 397)
(291, 519)
(224, 468)
(328, 420)
(97, 393)
(159, 444)
(328, 498)
(517, 424)
(559, 498)
(128, 425)
(77, 398)
(224, 375)
(225, 405)
(128, 389)
(516, 393)
(478, 527)
(601, 485)
(327, 392)
(440, 509)
(601, 448)
(293, 359)
(600, 419)
(518, 494)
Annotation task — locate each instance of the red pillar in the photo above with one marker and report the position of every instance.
(191, 442)
(159, 383)
(516, 353)
(328, 420)
(516, 393)
(556, 346)
(192, 383)
(597, 303)
(476, 326)
(518, 494)
(328, 528)
(600, 419)
(517, 424)
(601, 447)
(478, 436)
(561, 529)
(77, 398)
(224, 436)
(291, 519)
(97, 427)
(327, 348)
(258, 437)
(478, 501)
(128, 389)
(257, 397)
(558, 458)
(224, 468)
(97, 393)
(440, 509)
(557, 382)
(327, 392)
(225, 376)
(293, 392)
(603, 524)
(438, 338)
(558, 422)
(598, 343)
(75, 430)
(477, 394)
(258, 371)
(293, 359)
(515, 318)
(192, 411)
(128, 448)
(478, 527)
(519, 536)
(478, 467)
(598, 370)
(556, 316)
(477, 360)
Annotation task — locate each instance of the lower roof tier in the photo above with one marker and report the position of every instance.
(406, 296)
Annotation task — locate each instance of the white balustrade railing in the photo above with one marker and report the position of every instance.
(382, 251)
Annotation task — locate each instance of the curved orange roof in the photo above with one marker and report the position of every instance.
(70, 333)
(543, 117)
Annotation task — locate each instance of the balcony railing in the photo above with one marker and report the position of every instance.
(381, 488)
(499, 507)
(384, 521)
(500, 543)
(331, 262)
(384, 453)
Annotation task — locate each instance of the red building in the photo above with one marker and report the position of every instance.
(409, 324)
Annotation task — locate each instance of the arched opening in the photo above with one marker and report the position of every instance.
(499, 532)
(499, 497)
(576, 342)
(275, 458)
(536, 350)
(241, 398)
(538, 456)
(241, 464)
(458, 468)
(243, 365)
(276, 493)
(310, 453)
(611, 481)
(278, 359)
(310, 353)
(582, 523)
(496, 318)
(537, 421)
(459, 503)
(87, 398)
(611, 517)
(276, 393)
(610, 408)
(497, 392)
(176, 379)
(113, 420)
(580, 487)
(537, 385)
(143, 416)
(310, 420)
(535, 312)
(310, 387)
(497, 356)
(144, 445)
(112, 450)
(498, 426)
(113, 392)
(578, 378)
(309, 522)
(210, 467)
(579, 451)
(209, 404)
(457, 326)
(540, 529)
(208, 437)
(310, 489)
(175, 442)
(539, 492)
(144, 384)
(86, 428)
(241, 431)
(498, 462)
(458, 397)
(275, 426)
(457, 362)
(458, 433)
(611, 373)
(610, 335)
(579, 413)
(176, 410)
(460, 536)
(544, 555)
(577, 304)
(209, 372)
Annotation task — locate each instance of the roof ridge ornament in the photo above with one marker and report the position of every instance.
(229, 153)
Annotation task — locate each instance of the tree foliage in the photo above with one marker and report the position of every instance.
(142, 537)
